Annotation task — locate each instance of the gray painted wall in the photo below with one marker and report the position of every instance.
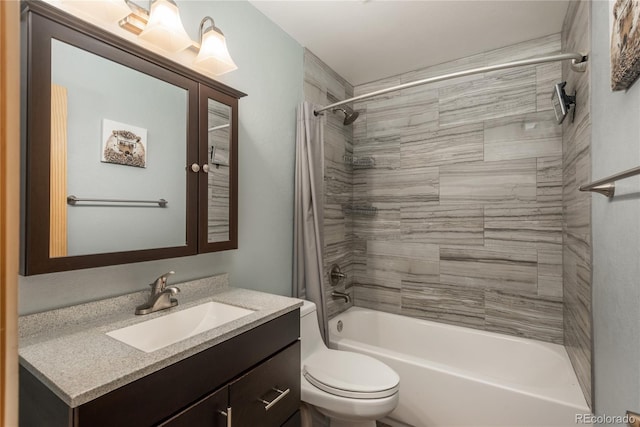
(616, 231)
(100, 89)
(270, 72)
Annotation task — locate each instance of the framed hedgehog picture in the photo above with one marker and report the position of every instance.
(625, 44)
(124, 144)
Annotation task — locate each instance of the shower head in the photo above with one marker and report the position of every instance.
(348, 117)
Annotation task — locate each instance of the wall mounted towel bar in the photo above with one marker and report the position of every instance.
(73, 201)
(607, 185)
(219, 127)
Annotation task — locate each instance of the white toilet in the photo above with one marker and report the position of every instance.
(352, 389)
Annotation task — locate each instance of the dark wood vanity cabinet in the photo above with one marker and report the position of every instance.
(229, 385)
(264, 396)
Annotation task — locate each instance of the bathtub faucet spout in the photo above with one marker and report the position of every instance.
(343, 295)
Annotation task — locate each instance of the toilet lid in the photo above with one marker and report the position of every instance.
(349, 374)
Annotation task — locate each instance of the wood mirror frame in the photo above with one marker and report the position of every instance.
(40, 23)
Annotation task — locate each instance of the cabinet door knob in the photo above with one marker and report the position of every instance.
(205, 168)
(227, 414)
(195, 167)
(282, 394)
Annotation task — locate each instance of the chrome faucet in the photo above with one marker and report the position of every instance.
(160, 297)
(344, 295)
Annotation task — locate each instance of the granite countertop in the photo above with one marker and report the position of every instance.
(68, 349)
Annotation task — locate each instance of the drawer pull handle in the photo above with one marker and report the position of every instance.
(268, 405)
(228, 415)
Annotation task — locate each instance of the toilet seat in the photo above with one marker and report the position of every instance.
(351, 375)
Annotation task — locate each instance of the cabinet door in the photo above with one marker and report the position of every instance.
(218, 183)
(211, 412)
(270, 393)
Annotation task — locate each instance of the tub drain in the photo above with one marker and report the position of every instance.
(339, 325)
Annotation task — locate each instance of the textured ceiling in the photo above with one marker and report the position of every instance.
(368, 40)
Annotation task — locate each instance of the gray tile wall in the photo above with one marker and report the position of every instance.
(324, 86)
(577, 206)
(468, 186)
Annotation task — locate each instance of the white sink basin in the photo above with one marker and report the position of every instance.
(165, 330)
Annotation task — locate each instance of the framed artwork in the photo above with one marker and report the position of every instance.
(124, 144)
(625, 44)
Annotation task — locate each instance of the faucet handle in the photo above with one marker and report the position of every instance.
(173, 290)
(159, 284)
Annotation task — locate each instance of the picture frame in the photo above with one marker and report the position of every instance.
(625, 44)
(123, 144)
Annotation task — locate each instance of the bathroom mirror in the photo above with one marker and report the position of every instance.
(129, 145)
(120, 165)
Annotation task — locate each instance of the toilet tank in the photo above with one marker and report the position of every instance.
(310, 338)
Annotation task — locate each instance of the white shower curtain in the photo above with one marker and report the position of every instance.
(308, 212)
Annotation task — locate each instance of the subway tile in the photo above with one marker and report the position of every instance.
(512, 269)
(377, 297)
(527, 316)
(457, 65)
(395, 186)
(376, 86)
(323, 77)
(384, 225)
(522, 137)
(443, 303)
(338, 177)
(578, 345)
(498, 94)
(385, 151)
(541, 46)
(549, 179)
(550, 272)
(531, 225)
(393, 261)
(446, 145)
(489, 182)
(447, 224)
(335, 224)
(359, 127)
(406, 114)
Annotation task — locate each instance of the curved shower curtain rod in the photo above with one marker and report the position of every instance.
(578, 63)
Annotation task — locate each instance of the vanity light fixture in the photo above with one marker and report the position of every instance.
(109, 10)
(213, 55)
(164, 28)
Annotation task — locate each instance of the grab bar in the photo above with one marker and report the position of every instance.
(607, 185)
(73, 201)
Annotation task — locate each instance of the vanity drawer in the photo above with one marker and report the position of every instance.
(210, 411)
(268, 394)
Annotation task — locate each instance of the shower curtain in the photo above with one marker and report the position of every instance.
(308, 211)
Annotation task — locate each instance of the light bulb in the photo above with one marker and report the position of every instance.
(214, 55)
(165, 28)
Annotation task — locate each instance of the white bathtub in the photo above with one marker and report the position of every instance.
(456, 376)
